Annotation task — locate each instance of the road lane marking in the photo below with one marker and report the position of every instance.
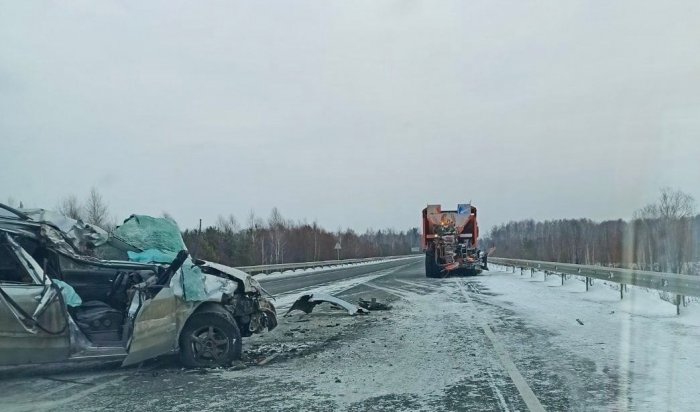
(391, 291)
(528, 396)
(499, 395)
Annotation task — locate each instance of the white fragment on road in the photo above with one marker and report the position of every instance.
(285, 300)
(528, 396)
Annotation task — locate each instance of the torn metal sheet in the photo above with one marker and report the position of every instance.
(83, 236)
(307, 303)
(249, 283)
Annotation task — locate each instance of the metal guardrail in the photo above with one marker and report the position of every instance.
(283, 267)
(679, 285)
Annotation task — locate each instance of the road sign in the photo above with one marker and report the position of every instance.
(337, 246)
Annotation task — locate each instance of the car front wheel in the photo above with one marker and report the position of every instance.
(210, 339)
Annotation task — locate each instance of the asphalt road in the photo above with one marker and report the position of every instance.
(307, 280)
(446, 345)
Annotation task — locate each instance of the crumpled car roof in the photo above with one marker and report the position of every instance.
(81, 235)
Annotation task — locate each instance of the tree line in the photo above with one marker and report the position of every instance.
(278, 240)
(662, 236)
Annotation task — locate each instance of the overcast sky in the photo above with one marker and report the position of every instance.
(352, 113)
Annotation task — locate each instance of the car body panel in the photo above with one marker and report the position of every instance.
(155, 328)
(17, 344)
(250, 285)
(21, 340)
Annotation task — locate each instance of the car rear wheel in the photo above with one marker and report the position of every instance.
(210, 339)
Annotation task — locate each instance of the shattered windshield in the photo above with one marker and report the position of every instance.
(367, 205)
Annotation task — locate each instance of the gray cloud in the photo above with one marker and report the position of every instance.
(353, 113)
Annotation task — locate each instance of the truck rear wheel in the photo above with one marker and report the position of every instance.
(432, 269)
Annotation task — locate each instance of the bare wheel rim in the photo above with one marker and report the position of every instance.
(210, 344)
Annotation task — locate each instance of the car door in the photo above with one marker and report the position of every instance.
(155, 326)
(33, 318)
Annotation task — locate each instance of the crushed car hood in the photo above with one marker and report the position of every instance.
(249, 283)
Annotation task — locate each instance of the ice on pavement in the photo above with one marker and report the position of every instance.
(640, 336)
(635, 354)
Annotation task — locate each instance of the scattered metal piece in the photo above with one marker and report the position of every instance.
(579, 321)
(237, 366)
(268, 359)
(307, 303)
(373, 304)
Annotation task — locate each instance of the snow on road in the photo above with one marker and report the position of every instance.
(653, 352)
(576, 350)
(431, 351)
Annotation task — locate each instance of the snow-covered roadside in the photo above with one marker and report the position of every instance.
(640, 338)
(299, 272)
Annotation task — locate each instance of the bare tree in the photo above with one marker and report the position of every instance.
(665, 232)
(674, 204)
(228, 225)
(70, 207)
(95, 209)
(277, 226)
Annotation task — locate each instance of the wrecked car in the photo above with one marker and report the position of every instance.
(71, 291)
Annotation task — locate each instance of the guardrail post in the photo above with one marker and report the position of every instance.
(622, 287)
(587, 280)
(562, 279)
(679, 299)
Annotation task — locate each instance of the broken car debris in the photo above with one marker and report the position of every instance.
(307, 303)
(373, 304)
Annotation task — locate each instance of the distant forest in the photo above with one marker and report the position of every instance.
(278, 240)
(662, 236)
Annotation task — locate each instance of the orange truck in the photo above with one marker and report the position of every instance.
(450, 241)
